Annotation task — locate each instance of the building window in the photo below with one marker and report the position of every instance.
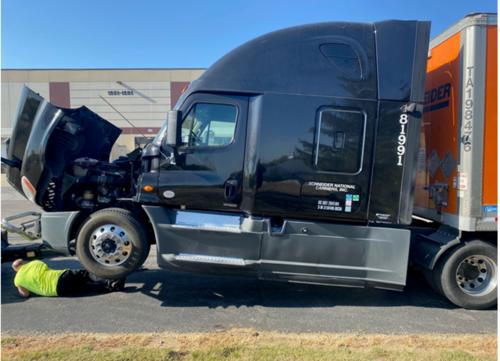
(208, 125)
(339, 141)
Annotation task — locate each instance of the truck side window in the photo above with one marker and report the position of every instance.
(344, 58)
(209, 125)
(339, 141)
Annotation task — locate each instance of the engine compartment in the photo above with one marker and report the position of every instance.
(91, 184)
(59, 158)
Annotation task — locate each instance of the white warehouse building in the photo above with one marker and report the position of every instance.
(143, 96)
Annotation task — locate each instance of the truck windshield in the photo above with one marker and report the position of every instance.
(161, 134)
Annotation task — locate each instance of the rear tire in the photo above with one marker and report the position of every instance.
(468, 275)
(429, 276)
(112, 243)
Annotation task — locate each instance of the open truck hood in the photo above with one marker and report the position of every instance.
(46, 140)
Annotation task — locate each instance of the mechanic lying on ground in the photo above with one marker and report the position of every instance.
(36, 277)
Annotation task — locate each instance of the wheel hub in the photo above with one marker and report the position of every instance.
(110, 245)
(469, 271)
(477, 275)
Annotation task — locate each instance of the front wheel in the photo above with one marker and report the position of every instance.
(112, 243)
(468, 275)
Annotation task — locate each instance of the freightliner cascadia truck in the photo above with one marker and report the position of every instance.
(295, 157)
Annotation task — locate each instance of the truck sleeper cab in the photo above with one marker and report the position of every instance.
(291, 158)
(284, 153)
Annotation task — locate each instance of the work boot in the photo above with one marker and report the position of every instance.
(115, 285)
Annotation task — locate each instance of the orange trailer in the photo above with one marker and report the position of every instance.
(456, 176)
(456, 182)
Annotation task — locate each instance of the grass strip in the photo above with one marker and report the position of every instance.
(248, 345)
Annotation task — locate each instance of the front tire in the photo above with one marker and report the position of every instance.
(112, 243)
(468, 275)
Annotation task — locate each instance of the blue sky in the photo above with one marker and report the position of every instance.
(186, 33)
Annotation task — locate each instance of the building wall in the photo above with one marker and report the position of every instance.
(143, 96)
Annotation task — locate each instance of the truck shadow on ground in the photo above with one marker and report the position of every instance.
(179, 289)
(174, 289)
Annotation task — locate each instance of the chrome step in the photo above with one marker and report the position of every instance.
(229, 261)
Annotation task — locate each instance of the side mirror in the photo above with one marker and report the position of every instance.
(173, 120)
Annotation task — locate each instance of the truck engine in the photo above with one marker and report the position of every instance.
(59, 158)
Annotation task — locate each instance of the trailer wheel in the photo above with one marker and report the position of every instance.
(429, 276)
(468, 275)
(112, 243)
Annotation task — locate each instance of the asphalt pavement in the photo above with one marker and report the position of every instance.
(156, 300)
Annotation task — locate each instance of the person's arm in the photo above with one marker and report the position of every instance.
(23, 292)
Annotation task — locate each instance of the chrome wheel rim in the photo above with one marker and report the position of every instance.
(476, 275)
(110, 245)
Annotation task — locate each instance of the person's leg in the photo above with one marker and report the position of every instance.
(73, 282)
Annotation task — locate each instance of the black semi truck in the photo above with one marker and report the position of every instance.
(291, 158)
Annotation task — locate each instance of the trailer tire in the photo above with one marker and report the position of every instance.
(429, 276)
(112, 243)
(468, 275)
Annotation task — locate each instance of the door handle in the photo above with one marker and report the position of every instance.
(231, 190)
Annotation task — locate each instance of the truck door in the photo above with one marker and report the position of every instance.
(207, 176)
(209, 161)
